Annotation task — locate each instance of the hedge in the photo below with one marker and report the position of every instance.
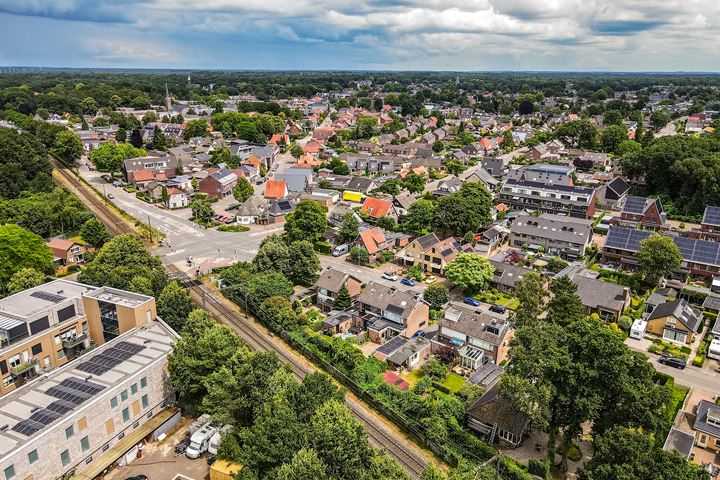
(541, 468)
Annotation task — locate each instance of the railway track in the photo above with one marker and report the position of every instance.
(413, 464)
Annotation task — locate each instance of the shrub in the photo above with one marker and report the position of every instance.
(541, 468)
(687, 350)
(624, 322)
(574, 453)
(698, 361)
(323, 247)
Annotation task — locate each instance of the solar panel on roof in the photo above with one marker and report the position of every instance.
(61, 406)
(82, 385)
(635, 205)
(64, 393)
(44, 416)
(711, 216)
(50, 297)
(446, 252)
(27, 427)
(130, 347)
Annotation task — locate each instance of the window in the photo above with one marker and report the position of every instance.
(136, 424)
(113, 402)
(110, 427)
(82, 424)
(85, 443)
(121, 436)
(143, 382)
(133, 389)
(106, 447)
(32, 457)
(123, 395)
(144, 400)
(65, 458)
(9, 472)
(69, 431)
(126, 414)
(88, 460)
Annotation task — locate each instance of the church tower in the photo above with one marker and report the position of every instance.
(168, 99)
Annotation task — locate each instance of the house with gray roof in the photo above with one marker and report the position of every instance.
(388, 312)
(296, 179)
(608, 300)
(675, 321)
(707, 425)
(563, 236)
(506, 275)
(494, 416)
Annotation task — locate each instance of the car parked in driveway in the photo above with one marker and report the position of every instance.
(407, 281)
(430, 280)
(673, 362)
(182, 446)
(472, 301)
(390, 276)
(498, 309)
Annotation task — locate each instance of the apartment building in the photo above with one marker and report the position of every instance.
(573, 201)
(80, 418)
(44, 327)
(566, 237)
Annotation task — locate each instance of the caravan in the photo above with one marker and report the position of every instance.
(217, 438)
(638, 329)
(199, 441)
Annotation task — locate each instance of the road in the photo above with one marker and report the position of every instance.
(702, 378)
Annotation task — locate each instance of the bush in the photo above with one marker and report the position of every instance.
(624, 322)
(687, 350)
(698, 361)
(510, 470)
(323, 247)
(574, 453)
(441, 387)
(233, 228)
(541, 468)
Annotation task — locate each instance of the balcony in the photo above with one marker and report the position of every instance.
(24, 367)
(74, 341)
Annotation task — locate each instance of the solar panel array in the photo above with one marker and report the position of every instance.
(110, 358)
(70, 393)
(634, 205)
(50, 297)
(712, 216)
(625, 238)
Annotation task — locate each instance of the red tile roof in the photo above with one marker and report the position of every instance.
(173, 191)
(143, 175)
(394, 380)
(312, 147)
(376, 207)
(373, 239)
(275, 189)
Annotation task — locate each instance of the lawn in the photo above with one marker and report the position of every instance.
(412, 377)
(678, 397)
(453, 382)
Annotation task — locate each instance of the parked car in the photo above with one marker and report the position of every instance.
(182, 446)
(211, 459)
(498, 309)
(110, 195)
(472, 301)
(673, 362)
(390, 276)
(107, 178)
(407, 281)
(340, 250)
(137, 477)
(430, 280)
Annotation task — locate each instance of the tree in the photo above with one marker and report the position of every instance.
(382, 467)
(174, 305)
(307, 222)
(343, 299)
(243, 190)
(23, 279)
(109, 157)
(658, 257)
(414, 183)
(277, 312)
(136, 138)
(465, 210)
(305, 465)
(158, 142)
(359, 255)
(432, 473)
(24, 164)
(296, 150)
(68, 147)
(273, 255)
(19, 249)
(526, 107)
(565, 307)
(438, 146)
(612, 117)
(419, 218)
(121, 135)
(350, 227)
(95, 232)
(142, 285)
(304, 262)
(436, 295)
(659, 119)
(195, 128)
(340, 440)
(531, 294)
(203, 348)
(469, 271)
(576, 133)
(263, 286)
(387, 223)
(625, 454)
(202, 210)
(612, 137)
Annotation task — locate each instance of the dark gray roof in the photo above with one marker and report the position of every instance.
(639, 205)
(704, 409)
(507, 274)
(332, 280)
(692, 249)
(680, 309)
(618, 186)
(551, 188)
(336, 318)
(407, 350)
(494, 408)
(281, 207)
(427, 241)
(487, 375)
(712, 302)
(597, 293)
(383, 297)
(679, 441)
(475, 323)
(482, 175)
(296, 179)
(360, 184)
(556, 227)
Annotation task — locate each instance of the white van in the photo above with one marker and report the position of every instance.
(200, 441)
(340, 250)
(217, 438)
(638, 329)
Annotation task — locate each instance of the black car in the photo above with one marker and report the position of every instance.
(182, 446)
(137, 477)
(497, 309)
(673, 362)
(210, 459)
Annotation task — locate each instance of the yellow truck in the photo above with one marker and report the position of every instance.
(224, 470)
(351, 196)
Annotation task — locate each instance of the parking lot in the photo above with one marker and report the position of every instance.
(159, 461)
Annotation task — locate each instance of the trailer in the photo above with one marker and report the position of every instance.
(217, 438)
(638, 329)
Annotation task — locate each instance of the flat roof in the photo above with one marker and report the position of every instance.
(118, 297)
(37, 299)
(148, 344)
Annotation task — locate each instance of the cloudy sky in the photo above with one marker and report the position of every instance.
(621, 35)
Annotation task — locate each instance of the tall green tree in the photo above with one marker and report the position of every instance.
(25, 278)
(612, 137)
(304, 262)
(350, 227)
(565, 307)
(343, 299)
(307, 222)
(576, 133)
(243, 190)
(305, 465)
(21, 249)
(658, 257)
(121, 135)
(158, 142)
(420, 217)
(469, 271)
(24, 164)
(95, 232)
(174, 305)
(436, 295)
(465, 210)
(68, 147)
(273, 255)
(109, 157)
(195, 128)
(202, 210)
(531, 294)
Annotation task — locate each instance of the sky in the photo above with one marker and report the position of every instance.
(462, 35)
